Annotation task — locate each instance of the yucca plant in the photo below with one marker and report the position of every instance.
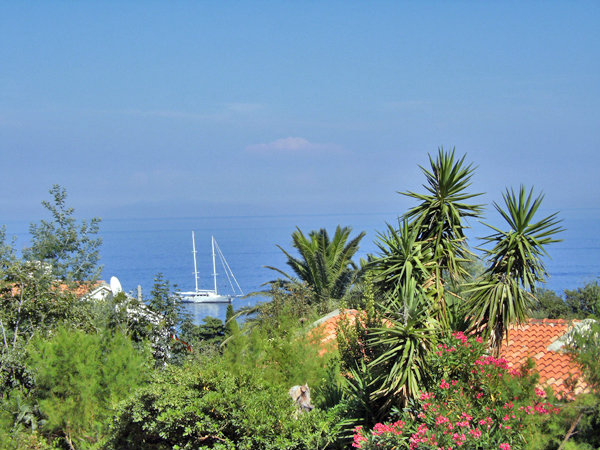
(428, 246)
(402, 258)
(438, 221)
(438, 218)
(504, 293)
(406, 340)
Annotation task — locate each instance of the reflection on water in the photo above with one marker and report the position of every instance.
(199, 311)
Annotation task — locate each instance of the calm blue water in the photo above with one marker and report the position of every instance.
(135, 250)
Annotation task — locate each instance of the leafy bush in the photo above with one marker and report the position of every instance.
(584, 301)
(474, 401)
(548, 305)
(281, 348)
(203, 405)
(80, 378)
(584, 413)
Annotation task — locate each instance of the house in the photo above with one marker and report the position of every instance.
(99, 291)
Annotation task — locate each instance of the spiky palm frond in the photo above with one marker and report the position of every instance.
(440, 214)
(405, 361)
(406, 343)
(504, 293)
(518, 252)
(324, 264)
(402, 258)
(496, 302)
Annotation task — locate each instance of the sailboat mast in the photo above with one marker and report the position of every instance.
(195, 267)
(214, 264)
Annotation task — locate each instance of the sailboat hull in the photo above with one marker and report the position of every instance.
(204, 297)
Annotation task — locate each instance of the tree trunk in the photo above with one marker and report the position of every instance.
(571, 431)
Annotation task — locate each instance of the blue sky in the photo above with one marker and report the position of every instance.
(157, 109)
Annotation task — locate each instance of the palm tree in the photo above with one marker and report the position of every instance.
(438, 219)
(429, 244)
(325, 265)
(402, 260)
(504, 293)
(405, 341)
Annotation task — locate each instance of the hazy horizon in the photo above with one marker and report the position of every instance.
(162, 109)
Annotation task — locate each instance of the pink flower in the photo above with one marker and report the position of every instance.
(358, 437)
(476, 433)
(540, 393)
(427, 395)
(459, 439)
(504, 446)
(441, 420)
(444, 384)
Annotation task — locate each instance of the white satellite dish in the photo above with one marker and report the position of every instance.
(115, 285)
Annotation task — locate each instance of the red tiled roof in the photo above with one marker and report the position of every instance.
(79, 289)
(531, 340)
(326, 330)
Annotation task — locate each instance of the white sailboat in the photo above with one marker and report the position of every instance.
(212, 295)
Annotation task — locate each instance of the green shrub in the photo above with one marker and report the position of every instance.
(80, 378)
(202, 405)
(282, 351)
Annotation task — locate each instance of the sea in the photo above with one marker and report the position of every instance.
(136, 250)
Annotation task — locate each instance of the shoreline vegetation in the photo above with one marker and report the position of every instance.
(417, 366)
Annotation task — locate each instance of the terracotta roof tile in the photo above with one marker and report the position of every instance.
(531, 340)
(527, 340)
(79, 289)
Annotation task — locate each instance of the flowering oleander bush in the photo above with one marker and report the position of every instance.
(473, 401)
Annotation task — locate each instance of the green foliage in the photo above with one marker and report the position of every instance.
(584, 301)
(405, 360)
(438, 219)
(584, 415)
(13, 371)
(69, 249)
(385, 352)
(402, 259)
(503, 294)
(584, 345)
(231, 325)
(428, 250)
(30, 302)
(39, 292)
(291, 301)
(169, 317)
(209, 334)
(357, 352)
(325, 264)
(166, 302)
(284, 351)
(80, 378)
(424, 274)
(548, 305)
(203, 405)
